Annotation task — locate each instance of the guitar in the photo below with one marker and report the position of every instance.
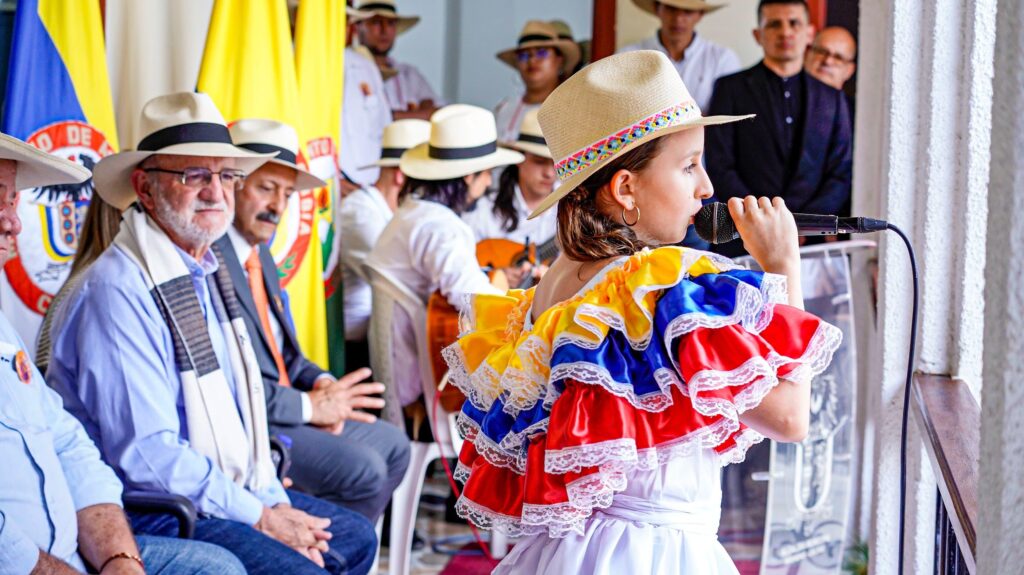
(496, 254)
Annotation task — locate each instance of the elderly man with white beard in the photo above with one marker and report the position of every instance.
(152, 354)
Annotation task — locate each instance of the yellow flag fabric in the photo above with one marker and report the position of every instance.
(319, 50)
(249, 71)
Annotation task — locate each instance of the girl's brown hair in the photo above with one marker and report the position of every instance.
(585, 234)
(102, 222)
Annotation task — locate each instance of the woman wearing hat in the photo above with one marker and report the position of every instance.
(503, 213)
(426, 246)
(603, 403)
(543, 60)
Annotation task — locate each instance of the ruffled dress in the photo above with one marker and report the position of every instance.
(598, 432)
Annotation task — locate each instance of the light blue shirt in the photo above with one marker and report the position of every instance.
(113, 361)
(51, 469)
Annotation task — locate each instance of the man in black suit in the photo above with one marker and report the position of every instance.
(338, 453)
(799, 145)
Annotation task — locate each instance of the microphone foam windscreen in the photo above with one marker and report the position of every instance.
(714, 224)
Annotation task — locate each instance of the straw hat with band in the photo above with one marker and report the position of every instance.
(387, 9)
(697, 5)
(530, 139)
(640, 97)
(37, 168)
(355, 16)
(538, 34)
(399, 136)
(269, 137)
(463, 141)
(181, 124)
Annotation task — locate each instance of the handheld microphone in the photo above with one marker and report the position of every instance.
(714, 224)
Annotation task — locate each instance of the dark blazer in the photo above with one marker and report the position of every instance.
(284, 405)
(747, 158)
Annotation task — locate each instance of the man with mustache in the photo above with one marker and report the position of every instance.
(151, 353)
(339, 453)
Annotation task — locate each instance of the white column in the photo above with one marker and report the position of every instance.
(1001, 499)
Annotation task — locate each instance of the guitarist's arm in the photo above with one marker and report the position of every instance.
(448, 255)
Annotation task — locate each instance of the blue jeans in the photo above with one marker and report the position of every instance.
(167, 556)
(352, 547)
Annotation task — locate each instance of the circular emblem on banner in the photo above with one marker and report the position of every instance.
(52, 216)
(291, 241)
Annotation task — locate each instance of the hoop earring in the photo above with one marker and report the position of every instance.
(637, 208)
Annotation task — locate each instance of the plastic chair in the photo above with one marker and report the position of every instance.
(388, 296)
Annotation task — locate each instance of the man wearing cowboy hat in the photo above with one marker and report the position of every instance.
(362, 217)
(153, 355)
(699, 61)
(408, 92)
(543, 59)
(338, 453)
(60, 505)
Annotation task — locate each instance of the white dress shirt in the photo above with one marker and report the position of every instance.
(363, 216)
(486, 224)
(364, 115)
(242, 251)
(703, 62)
(427, 248)
(408, 86)
(508, 114)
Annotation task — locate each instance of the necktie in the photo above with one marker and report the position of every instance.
(259, 297)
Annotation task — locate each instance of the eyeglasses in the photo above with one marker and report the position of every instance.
(524, 55)
(825, 54)
(200, 177)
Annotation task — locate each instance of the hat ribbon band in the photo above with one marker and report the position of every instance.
(282, 153)
(194, 133)
(609, 146)
(381, 6)
(535, 38)
(528, 139)
(391, 153)
(462, 153)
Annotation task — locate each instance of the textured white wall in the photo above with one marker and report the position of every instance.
(1001, 500)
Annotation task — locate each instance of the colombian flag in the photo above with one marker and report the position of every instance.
(319, 49)
(58, 99)
(249, 71)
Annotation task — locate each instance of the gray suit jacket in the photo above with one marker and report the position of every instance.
(284, 405)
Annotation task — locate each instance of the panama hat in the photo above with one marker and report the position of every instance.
(386, 9)
(37, 168)
(268, 137)
(355, 16)
(399, 136)
(463, 141)
(180, 124)
(530, 139)
(610, 107)
(698, 5)
(538, 34)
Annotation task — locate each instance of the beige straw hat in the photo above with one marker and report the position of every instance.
(37, 168)
(181, 124)
(611, 107)
(387, 9)
(355, 16)
(463, 141)
(531, 139)
(399, 136)
(538, 34)
(268, 137)
(698, 5)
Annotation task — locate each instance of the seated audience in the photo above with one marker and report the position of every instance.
(362, 217)
(60, 505)
(174, 396)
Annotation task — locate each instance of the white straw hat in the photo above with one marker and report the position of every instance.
(611, 107)
(268, 137)
(530, 139)
(37, 168)
(387, 9)
(698, 5)
(399, 136)
(463, 141)
(537, 34)
(181, 124)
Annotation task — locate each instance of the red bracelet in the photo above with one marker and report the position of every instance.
(123, 555)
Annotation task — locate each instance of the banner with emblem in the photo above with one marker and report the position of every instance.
(319, 49)
(58, 99)
(249, 70)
